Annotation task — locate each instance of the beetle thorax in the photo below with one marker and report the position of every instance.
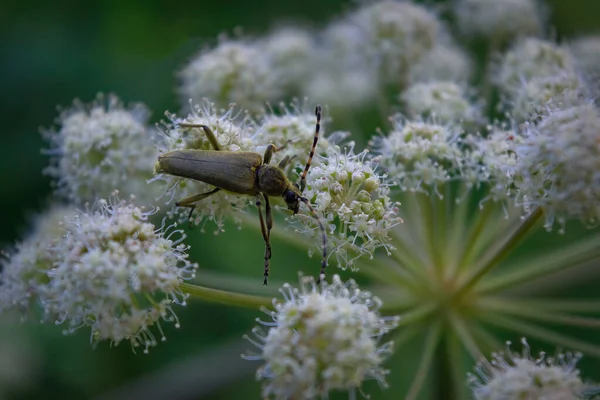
(271, 180)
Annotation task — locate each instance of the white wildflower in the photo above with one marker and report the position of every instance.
(323, 337)
(102, 147)
(499, 20)
(418, 155)
(233, 132)
(233, 72)
(558, 164)
(522, 376)
(353, 199)
(25, 270)
(117, 274)
(443, 101)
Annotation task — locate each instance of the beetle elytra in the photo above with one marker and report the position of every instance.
(246, 173)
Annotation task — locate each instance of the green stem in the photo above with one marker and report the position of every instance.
(224, 297)
(591, 306)
(475, 235)
(463, 332)
(518, 309)
(431, 343)
(454, 361)
(523, 327)
(488, 265)
(413, 316)
(566, 258)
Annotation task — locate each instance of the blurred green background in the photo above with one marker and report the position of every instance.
(53, 52)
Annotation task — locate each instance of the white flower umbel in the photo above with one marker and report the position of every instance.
(586, 51)
(291, 129)
(536, 95)
(102, 147)
(117, 274)
(233, 132)
(529, 59)
(396, 34)
(443, 101)
(498, 20)
(558, 164)
(444, 62)
(291, 53)
(322, 337)
(233, 72)
(352, 197)
(522, 376)
(419, 156)
(25, 270)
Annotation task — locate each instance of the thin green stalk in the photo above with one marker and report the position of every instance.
(224, 297)
(518, 309)
(431, 343)
(486, 337)
(416, 315)
(523, 327)
(456, 233)
(455, 360)
(475, 235)
(487, 266)
(565, 258)
(463, 332)
(591, 306)
(391, 274)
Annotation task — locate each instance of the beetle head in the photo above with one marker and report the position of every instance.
(291, 196)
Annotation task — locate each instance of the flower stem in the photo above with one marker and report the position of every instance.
(431, 343)
(225, 297)
(488, 265)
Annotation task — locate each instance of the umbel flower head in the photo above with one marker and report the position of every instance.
(395, 34)
(557, 165)
(498, 20)
(354, 200)
(233, 132)
(521, 376)
(323, 337)
(233, 72)
(25, 270)
(102, 147)
(116, 273)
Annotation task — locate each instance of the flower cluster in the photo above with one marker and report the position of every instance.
(110, 270)
(419, 155)
(102, 147)
(499, 20)
(233, 133)
(323, 337)
(520, 376)
(354, 200)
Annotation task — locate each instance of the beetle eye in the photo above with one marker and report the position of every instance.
(290, 196)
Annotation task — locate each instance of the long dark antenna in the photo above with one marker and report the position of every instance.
(312, 150)
(322, 227)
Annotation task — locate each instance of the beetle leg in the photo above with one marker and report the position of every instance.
(266, 232)
(189, 201)
(207, 131)
(272, 149)
(286, 161)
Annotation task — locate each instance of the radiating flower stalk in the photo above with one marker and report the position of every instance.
(438, 214)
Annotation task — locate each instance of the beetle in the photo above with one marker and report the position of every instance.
(247, 173)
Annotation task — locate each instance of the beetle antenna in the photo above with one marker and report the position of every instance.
(322, 227)
(312, 150)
